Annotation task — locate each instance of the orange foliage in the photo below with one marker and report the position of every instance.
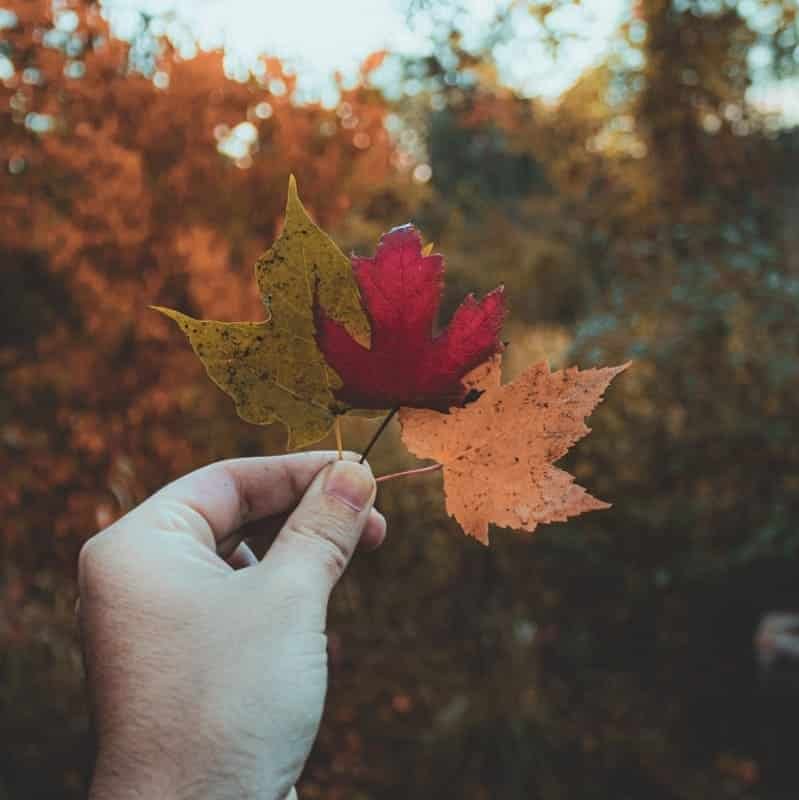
(118, 194)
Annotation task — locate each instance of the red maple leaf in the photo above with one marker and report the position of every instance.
(407, 365)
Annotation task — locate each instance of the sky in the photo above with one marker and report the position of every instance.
(318, 37)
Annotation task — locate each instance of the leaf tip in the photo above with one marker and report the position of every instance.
(293, 196)
(479, 533)
(168, 312)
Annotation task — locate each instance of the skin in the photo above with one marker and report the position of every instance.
(207, 669)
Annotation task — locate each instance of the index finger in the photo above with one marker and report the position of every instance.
(213, 502)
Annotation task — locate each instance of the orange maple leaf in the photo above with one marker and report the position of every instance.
(498, 452)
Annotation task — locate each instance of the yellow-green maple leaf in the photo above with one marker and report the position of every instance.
(274, 370)
(302, 260)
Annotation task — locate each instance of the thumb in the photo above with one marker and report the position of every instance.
(315, 545)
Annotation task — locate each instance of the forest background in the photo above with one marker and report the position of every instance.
(649, 212)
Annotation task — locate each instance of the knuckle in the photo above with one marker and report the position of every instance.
(327, 539)
(103, 557)
(92, 558)
(181, 517)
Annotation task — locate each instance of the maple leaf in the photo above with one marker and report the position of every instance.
(498, 452)
(273, 369)
(406, 365)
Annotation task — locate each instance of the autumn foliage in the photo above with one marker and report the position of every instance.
(649, 215)
(498, 452)
(127, 214)
(373, 324)
(404, 363)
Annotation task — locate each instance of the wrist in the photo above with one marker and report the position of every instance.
(119, 777)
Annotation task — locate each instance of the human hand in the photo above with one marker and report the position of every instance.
(207, 670)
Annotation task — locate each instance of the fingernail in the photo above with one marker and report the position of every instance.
(351, 483)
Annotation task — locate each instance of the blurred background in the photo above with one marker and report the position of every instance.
(628, 168)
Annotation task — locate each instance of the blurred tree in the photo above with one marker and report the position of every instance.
(127, 181)
(107, 214)
(650, 213)
(658, 226)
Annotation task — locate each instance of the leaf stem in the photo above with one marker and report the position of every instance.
(339, 443)
(407, 472)
(377, 433)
